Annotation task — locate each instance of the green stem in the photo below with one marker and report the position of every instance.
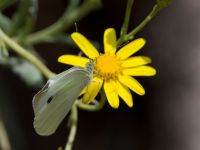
(124, 28)
(66, 21)
(27, 55)
(4, 140)
(72, 4)
(18, 18)
(73, 129)
(95, 107)
(29, 21)
(149, 17)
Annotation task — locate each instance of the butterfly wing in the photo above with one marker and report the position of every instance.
(55, 100)
(52, 86)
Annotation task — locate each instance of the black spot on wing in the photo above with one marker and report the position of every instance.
(50, 99)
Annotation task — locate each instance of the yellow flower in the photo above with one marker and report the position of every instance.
(113, 69)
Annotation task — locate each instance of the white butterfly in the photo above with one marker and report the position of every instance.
(53, 102)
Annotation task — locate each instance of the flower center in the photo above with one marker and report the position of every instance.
(107, 67)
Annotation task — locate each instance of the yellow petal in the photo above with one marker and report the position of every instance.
(132, 83)
(83, 91)
(85, 45)
(111, 93)
(110, 41)
(92, 90)
(130, 48)
(140, 71)
(73, 60)
(125, 94)
(136, 61)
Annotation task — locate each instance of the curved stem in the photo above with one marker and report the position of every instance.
(64, 22)
(124, 27)
(73, 129)
(26, 54)
(74, 118)
(29, 21)
(23, 9)
(154, 11)
(95, 107)
(4, 140)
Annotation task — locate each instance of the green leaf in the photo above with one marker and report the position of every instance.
(27, 72)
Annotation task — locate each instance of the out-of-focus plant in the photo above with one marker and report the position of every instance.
(16, 35)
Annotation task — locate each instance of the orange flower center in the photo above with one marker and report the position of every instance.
(107, 67)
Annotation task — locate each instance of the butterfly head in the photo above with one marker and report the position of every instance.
(90, 67)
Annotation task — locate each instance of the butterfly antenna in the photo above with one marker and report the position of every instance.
(76, 26)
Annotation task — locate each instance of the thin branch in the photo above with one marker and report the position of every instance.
(131, 35)
(124, 27)
(96, 107)
(26, 54)
(73, 127)
(20, 16)
(29, 21)
(149, 17)
(4, 140)
(66, 21)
